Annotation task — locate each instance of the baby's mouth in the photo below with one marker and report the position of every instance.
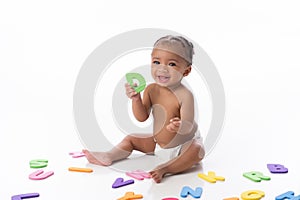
(163, 79)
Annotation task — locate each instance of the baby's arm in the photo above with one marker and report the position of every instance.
(141, 110)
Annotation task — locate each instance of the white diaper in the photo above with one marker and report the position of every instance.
(175, 151)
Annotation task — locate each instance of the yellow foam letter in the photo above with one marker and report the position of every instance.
(252, 195)
(211, 177)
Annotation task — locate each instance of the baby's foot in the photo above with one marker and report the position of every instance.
(98, 158)
(157, 174)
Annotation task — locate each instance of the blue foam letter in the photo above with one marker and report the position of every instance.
(189, 191)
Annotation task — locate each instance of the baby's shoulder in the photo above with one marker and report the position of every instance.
(151, 87)
(183, 89)
(184, 93)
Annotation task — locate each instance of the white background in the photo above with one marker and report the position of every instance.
(255, 46)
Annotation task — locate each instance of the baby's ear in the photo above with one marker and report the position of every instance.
(187, 70)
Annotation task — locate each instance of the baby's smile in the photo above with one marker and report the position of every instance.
(163, 79)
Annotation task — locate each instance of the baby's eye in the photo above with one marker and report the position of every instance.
(172, 64)
(156, 62)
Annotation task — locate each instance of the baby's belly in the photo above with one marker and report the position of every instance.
(166, 139)
(163, 137)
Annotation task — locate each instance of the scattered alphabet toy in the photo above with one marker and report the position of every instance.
(247, 195)
(138, 174)
(25, 196)
(40, 175)
(288, 195)
(119, 182)
(38, 163)
(252, 195)
(78, 169)
(186, 190)
(76, 154)
(131, 196)
(277, 168)
(256, 176)
(211, 177)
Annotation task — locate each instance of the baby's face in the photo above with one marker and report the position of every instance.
(167, 68)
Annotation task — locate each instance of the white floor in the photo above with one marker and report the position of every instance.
(255, 48)
(241, 149)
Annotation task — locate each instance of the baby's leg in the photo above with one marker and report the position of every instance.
(191, 153)
(139, 142)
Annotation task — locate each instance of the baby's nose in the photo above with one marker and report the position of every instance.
(163, 68)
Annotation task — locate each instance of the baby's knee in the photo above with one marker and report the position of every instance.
(201, 152)
(128, 138)
(198, 151)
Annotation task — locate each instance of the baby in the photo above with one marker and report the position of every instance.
(172, 106)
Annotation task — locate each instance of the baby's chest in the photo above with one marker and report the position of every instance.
(167, 102)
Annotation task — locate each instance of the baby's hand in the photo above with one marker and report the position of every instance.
(131, 93)
(174, 124)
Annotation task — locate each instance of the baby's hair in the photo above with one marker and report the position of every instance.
(187, 50)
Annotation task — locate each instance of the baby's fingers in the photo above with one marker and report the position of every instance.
(173, 126)
(131, 93)
(127, 85)
(176, 121)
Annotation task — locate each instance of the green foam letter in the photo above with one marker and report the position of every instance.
(136, 76)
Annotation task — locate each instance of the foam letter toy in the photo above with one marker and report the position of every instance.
(288, 195)
(78, 169)
(25, 196)
(277, 168)
(256, 176)
(135, 76)
(40, 175)
(252, 195)
(138, 174)
(76, 154)
(232, 198)
(211, 177)
(38, 163)
(189, 191)
(119, 182)
(130, 196)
